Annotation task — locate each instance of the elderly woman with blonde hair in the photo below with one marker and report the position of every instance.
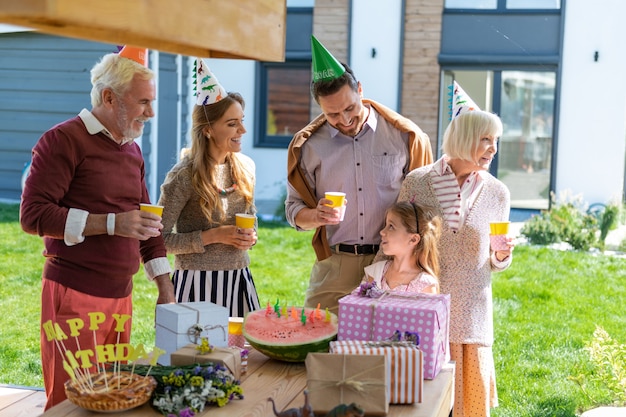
(467, 198)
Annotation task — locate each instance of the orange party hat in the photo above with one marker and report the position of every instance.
(139, 55)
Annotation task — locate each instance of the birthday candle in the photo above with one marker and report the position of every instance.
(303, 317)
(268, 310)
(284, 311)
(327, 315)
(311, 316)
(294, 314)
(277, 307)
(318, 313)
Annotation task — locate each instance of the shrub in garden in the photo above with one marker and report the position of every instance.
(566, 221)
(603, 379)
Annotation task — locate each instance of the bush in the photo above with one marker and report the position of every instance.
(566, 221)
(539, 230)
(607, 374)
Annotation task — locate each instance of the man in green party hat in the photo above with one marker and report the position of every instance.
(356, 146)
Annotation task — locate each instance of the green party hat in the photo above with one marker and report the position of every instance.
(325, 65)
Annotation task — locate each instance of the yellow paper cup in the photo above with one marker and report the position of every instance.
(235, 334)
(245, 221)
(235, 325)
(499, 228)
(337, 198)
(152, 208)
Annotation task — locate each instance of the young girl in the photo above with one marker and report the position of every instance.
(409, 241)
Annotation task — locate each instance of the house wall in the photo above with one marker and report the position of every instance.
(591, 127)
(45, 80)
(420, 69)
(403, 75)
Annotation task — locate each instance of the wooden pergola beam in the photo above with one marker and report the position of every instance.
(246, 29)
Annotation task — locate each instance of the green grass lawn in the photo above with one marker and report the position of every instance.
(546, 307)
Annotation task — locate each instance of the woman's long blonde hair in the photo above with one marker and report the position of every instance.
(203, 166)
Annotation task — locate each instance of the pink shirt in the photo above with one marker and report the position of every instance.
(377, 271)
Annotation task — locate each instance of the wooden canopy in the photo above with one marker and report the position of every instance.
(247, 29)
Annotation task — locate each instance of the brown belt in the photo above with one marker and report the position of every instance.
(355, 249)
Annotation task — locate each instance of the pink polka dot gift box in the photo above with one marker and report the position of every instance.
(378, 318)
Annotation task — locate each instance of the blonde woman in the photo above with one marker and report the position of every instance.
(201, 196)
(467, 198)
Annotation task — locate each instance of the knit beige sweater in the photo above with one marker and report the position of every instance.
(183, 220)
(465, 255)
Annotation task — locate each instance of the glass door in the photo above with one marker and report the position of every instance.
(525, 154)
(524, 100)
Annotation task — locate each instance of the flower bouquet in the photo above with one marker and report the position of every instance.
(183, 391)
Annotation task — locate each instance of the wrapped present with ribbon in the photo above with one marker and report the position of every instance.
(406, 365)
(380, 315)
(178, 325)
(191, 355)
(334, 379)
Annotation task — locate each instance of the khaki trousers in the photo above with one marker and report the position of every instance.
(335, 277)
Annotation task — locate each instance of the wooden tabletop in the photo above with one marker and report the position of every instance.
(284, 382)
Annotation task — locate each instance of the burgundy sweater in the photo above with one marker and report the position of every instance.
(74, 169)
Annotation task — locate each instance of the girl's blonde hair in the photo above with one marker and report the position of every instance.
(463, 134)
(203, 166)
(423, 221)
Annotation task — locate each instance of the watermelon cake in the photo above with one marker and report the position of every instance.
(290, 336)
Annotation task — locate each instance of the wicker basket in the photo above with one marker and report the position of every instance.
(111, 392)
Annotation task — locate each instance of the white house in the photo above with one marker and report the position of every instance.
(556, 84)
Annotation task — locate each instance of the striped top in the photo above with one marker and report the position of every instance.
(455, 200)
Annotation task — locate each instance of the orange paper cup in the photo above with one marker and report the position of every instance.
(152, 208)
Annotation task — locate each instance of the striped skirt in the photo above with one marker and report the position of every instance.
(232, 289)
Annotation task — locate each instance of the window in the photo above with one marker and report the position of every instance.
(471, 4)
(503, 4)
(533, 4)
(524, 100)
(283, 88)
(285, 102)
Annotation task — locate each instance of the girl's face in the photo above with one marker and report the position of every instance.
(226, 133)
(486, 150)
(395, 238)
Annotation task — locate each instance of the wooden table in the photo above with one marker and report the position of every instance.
(284, 382)
(18, 401)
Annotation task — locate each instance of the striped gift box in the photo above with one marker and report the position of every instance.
(407, 376)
